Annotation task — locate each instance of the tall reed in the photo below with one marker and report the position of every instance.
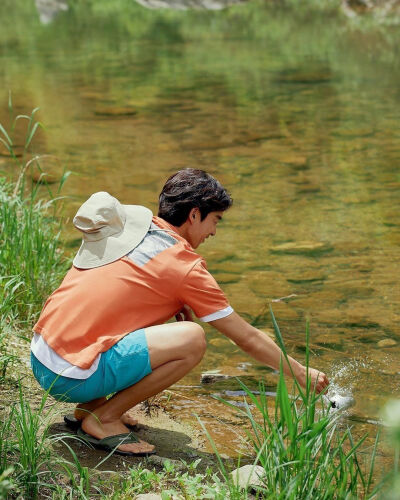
(31, 262)
(29, 463)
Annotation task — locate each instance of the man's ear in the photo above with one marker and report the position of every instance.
(193, 214)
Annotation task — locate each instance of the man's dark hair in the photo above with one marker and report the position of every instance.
(191, 188)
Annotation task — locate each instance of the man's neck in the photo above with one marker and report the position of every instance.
(181, 230)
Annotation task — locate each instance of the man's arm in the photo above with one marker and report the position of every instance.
(260, 347)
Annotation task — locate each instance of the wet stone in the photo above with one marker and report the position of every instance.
(387, 343)
(211, 377)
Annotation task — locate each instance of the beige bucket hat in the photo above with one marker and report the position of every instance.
(110, 229)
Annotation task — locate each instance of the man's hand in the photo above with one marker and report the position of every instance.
(318, 379)
(185, 314)
(258, 345)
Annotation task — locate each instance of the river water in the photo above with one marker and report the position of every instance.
(297, 113)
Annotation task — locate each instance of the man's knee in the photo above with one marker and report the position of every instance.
(196, 341)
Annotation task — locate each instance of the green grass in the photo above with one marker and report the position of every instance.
(31, 260)
(30, 466)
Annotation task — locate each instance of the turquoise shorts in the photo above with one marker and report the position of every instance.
(123, 365)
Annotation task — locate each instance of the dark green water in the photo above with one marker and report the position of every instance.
(296, 111)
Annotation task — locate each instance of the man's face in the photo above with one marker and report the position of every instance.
(202, 229)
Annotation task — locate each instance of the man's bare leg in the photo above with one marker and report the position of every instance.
(83, 409)
(174, 349)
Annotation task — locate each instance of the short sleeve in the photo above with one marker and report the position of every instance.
(202, 294)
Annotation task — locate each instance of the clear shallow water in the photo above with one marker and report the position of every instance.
(297, 114)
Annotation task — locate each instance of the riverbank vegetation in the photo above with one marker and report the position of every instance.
(297, 441)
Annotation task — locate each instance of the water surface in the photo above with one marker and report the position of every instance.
(295, 112)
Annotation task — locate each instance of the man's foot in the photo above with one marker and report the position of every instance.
(82, 410)
(98, 429)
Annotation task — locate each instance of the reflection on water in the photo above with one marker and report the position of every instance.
(188, 4)
(296, 118)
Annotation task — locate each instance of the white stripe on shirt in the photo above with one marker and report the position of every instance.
(217, 315)
(51, 360)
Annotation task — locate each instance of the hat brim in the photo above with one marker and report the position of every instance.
(99, 253)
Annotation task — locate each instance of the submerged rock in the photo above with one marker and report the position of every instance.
(248, 476)
(308, 248)
(306, 276)
(115, 111)
(18, 151)
(46, 169)
(387, 343)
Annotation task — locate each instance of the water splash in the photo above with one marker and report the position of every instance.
(345, 375)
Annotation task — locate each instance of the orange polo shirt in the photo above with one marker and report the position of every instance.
(94, 308)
